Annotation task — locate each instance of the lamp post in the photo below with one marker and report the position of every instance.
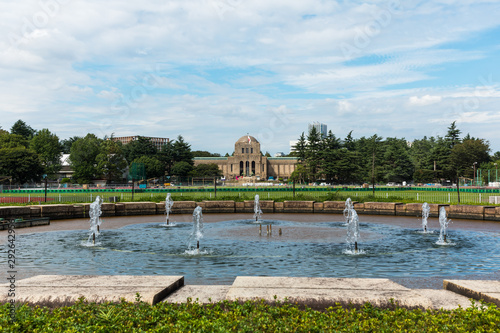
(496, 173)
(474, 167)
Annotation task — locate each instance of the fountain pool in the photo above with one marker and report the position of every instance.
(394, 247)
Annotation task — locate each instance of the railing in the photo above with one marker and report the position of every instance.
(413, 194)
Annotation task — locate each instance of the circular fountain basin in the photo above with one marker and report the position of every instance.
(237, 248)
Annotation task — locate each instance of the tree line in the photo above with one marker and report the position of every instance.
(375, 159)
(28, 155)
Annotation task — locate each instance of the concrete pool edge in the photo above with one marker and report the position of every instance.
(72, 211)
(314, 292)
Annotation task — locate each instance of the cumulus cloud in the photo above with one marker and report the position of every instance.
(220, 68)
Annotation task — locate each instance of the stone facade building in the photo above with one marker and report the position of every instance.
(248, 161)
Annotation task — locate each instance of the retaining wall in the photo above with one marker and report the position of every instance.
(58, 211)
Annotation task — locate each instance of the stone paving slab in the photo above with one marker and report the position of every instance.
(95, 288)
(444, 299)
(323, 292)
(487, 290)
(199, 293)
(315, 283)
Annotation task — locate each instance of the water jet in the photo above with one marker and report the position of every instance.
(95, 220)
(426, 209)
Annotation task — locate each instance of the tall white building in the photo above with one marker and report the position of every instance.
(320, 128)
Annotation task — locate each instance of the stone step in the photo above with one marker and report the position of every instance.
(486, 290)
(66, 289)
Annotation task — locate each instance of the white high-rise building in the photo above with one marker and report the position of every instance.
(320, 128)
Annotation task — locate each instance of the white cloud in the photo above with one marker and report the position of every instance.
(219, 68)
(425, 100)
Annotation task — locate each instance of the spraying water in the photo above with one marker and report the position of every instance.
(348, 210)
(168, 207)
(256, 208)
(426, 209)
(95, 220)
(197, 232)
(352, 222)
(443, 222)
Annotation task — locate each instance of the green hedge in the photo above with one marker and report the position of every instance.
(246, 317)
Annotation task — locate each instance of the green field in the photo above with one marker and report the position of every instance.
(405, 195)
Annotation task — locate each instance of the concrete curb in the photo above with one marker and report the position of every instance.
(58, 211)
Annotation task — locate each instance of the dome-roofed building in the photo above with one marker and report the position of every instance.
(248, 161)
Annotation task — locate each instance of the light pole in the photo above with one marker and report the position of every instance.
(496, 173)
(474, 167)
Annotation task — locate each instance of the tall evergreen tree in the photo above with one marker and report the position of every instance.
(313, 159)
(453, 135)
(397, 164)
(167, 156)
(23, 129)
(182, 151)
(330, 157)
(300, 149)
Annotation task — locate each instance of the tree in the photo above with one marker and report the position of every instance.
(182, 151)
(137, 148)
(329, 156)
(313, 148)
(453, 135)
(83, 157)
(182, 169)
(47, 146)
(349, 142)
(207, 170)
(153, 167)
(300, 149)
(299, 174)
(166, 157)
(440, 160)
(111, 163)
(22, 164)
(23, 129)
(66, 144)
(204, 153)
(465, 154)
(397, 164)
(348, 167)
(13, 140)
(137, 171)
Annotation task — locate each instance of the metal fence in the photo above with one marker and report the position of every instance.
(81, 195)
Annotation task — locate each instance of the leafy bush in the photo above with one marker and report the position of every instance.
(244, 317)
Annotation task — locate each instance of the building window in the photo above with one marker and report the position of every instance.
(242, 150)
(241, 168)
(247, 150)
(231, 168)
(251, 150)
(253, 167)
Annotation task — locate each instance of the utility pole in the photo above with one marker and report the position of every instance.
(215, 187)
(373, 172)
(45, 177)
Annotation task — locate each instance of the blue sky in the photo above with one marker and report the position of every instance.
(215, 70)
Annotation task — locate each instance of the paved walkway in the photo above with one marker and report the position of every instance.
(313, 292)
